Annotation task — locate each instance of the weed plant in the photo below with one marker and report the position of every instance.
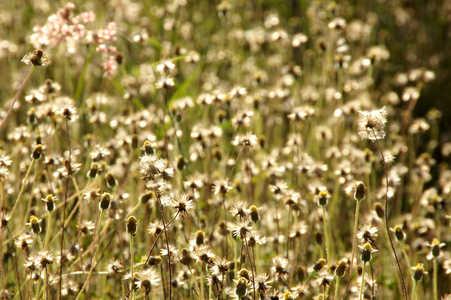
(219, 150)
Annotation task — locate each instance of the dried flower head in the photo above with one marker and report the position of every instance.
(151, 166)
(372, 124)
(37, 58)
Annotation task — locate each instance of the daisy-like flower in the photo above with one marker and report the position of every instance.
(324, 279)
(220, 266)
(248, 140)
(435, 246)
(221, 187)
(262, 283)
(24, 241)
(254, 238)
(241, 229)
(240, 209)
(368, 234)
(65, 108)
(372, 124)
(204, 254)
(151, 166)
(114, 267)
(44, 258)
(182, 205)
(279, 266)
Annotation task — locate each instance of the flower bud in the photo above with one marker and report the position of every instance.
(132, 225)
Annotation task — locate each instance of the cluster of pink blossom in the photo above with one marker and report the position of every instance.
(103, 38)
(61, 27)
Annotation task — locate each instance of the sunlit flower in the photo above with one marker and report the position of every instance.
(372, 124)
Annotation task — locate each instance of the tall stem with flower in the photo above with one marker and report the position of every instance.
(372, 127)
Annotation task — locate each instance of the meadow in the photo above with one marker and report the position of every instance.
(225, 149)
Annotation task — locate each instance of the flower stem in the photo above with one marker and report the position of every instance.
(326, 237)
(27, 76)
(93, 258)
(386, 219)
(356, 222)
(24, 183)
(434, 279)
(363, 280)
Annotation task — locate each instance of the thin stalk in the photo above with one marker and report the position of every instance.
(414, 290)
(363, 280)
(336, 287)
(353, 247)
(47, 234)
(27, 76)
(386, 218)
(160, 208)
(131, 267)
(252, 267)
(64, 206)
(22, 188)
(434, 279)
(93, 259)
(326, 237)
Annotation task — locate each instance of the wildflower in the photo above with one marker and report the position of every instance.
(279, 266)
(220, 266)
(24, 241)
(4, 173)
(50, 202)
(324, 279)
(221, 187)
(367, 250)
(186, 258)
(435, 246)
(342, 265)
(65, 108)
(204, 254)
(151, 166)
(182, 205)
(155, 228)
(240, 209)
(241, 229)
(131, 225)
(360, 191)
(323, 197)
(248, 140)
(418, 272)
(368, 234)
(105, 201)
(301, 113)
(44, 258)
(34, 224)
(37, 58)
(372, 124)
(86, 227)
(114, 267)
(254, 238)
(399, 233)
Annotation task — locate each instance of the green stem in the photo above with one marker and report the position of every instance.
(363, 280)
(336, 287)
(27, 76)
(131, 266)
(33, 161)
(47, 234)
(414, 291)
(93, 259)
(326, 237)
(434, 279)
(353, 247)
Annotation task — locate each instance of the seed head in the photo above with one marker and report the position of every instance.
(360, 191)
(372, 124)
(132, 225)
(37, 58)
